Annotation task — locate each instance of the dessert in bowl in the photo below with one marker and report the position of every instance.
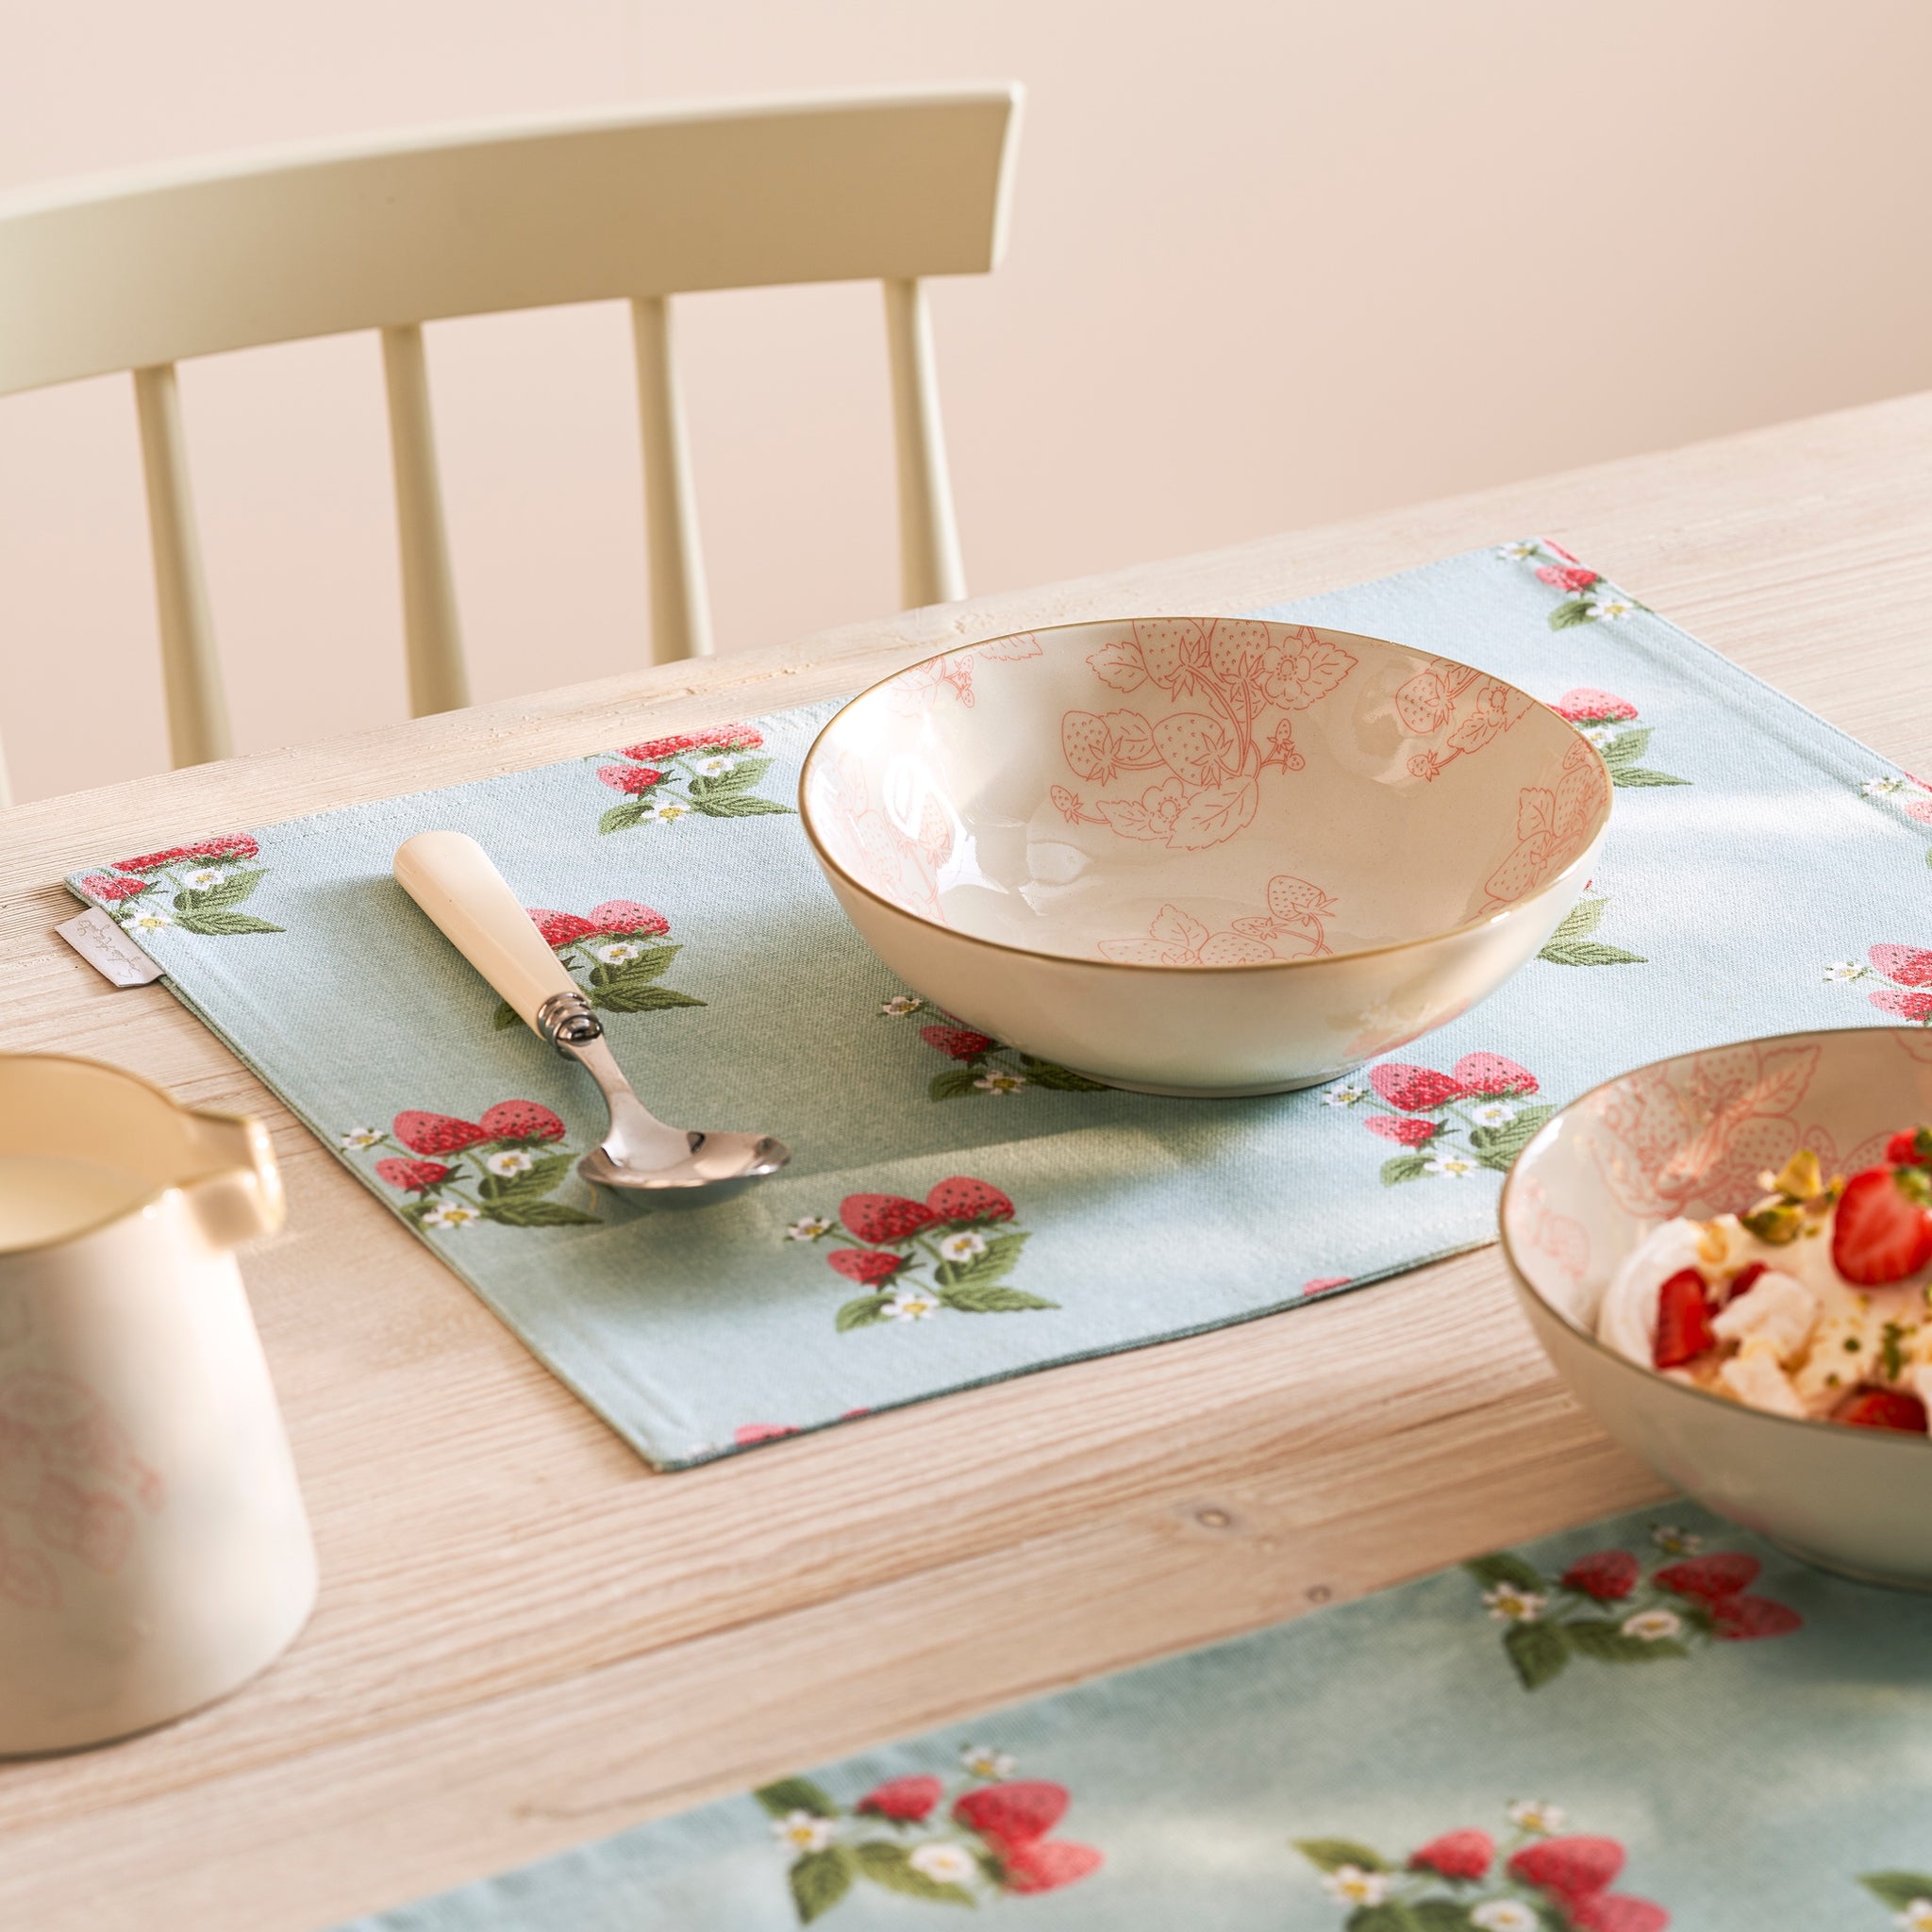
(1727, 1256)
(1204, 855)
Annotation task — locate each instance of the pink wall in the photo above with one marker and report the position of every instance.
(1272, 263)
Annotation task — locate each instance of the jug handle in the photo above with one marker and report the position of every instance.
(244, 1199)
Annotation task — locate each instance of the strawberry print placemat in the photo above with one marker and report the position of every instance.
(955, 1210)
(1649, 1723)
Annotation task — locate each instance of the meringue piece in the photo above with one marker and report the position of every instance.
(1779, 1309)
(1755, 1378)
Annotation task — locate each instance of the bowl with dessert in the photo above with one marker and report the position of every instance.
(1727, 1256)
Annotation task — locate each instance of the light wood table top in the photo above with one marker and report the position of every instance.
(526, 1638)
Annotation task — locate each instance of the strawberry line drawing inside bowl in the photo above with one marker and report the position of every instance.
(1203, 856)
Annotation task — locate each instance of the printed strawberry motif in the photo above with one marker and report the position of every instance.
(1012, 1814)
(632, 780)
(1409, 1132)
(435, 1133)
(881, 1218)
(230, 845)
(1466, 1855)
(1608, 1576)
(659, 747)
(866, 1266)
(1617, 1911)
(745, 1434)
(1046, 1865)
(1414, 1090)
(1569, 1868)
(1567, 577)
(153, 861)
(1741, 1618)
(110, 890)
(1585, 706)
(964, 1199)
(560, 928)
(1908, 965)
(908, 1800)
(1705, 1579)
(628, 916)
(522, 1120)
(958, 1043)
(1492, 1073)
(414, 1176)
(1915, 1006)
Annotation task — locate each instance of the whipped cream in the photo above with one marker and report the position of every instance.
(1799, 1342)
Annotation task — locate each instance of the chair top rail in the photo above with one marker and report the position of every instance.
(164, 263)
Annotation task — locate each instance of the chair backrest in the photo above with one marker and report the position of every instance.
(142, 270)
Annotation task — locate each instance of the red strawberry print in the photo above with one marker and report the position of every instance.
(745, 1434)
(1882, 1409)
(1708, 1578)
(1568, 556)
(1414, 1090)
(1908, 965)
(1409, 1133)
(1574, 576)
(435, 1133)
(229, 845)
(1492, 1074)
(1569, 1868)
(725, 737)
(1915, 1006)
(413, 1175)
(1593, 705)
(630, 778)
(522, 1120)
(1608, 1576)
(961, 1198)
(1048, 1865)
(1455, 1855)
(884, 1218)
(113, 890)
(1883, 1231)
(659, 747)
(628, 916)
(1012, 1814)
(1743, 1617)
(1683, 1320)
(560, 928)
(1617, 1911)
(961, 1042)
(1911, 1148)
(907, 1800)
(866, 1266)
(152, 861)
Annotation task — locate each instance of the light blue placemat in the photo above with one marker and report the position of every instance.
(952, 1214)
(1718, 1740)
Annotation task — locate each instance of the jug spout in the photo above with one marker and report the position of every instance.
(237, 1194)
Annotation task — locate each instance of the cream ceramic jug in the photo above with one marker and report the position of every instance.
(154, 1552)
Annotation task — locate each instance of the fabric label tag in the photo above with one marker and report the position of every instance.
(107, 949)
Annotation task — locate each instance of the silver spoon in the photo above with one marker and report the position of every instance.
(452, 878)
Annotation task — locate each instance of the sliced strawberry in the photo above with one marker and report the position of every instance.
(1741, 1618)
(1013, 1814)
(906, 1799)
(435, 1133)
(1683, 1320)
(866, 1266)
(1455, 1855)
(522, 1120)
(1706, 1579)
(1608, 1576)
(1414, 1090)
(1911, 1148)
(885, 1217)
(1046, 1865)
(1882, 1409)
(1883, 1232)
(1569, 1868)
(962, 1198)
(1747, 1278)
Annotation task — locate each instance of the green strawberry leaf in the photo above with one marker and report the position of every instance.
(621, 818)
(651, 963)
(1627, 747)
(1332, 1854)
(222, 925)
(506, 1016)
(1060, 1079)
(1562, 952)
(1441, 1915)
(1001, 1254)
(862, 1313)
(1496, 1147)
(543, 1173)
(1632, 775)
(1898, 1889)
(1505, 1566)
(819, 1881)
(891, 1866)
(643, 999)
(989, 1299)
(1595, 1637)
(1581, 920)
(1391, 1915)
(1403, 1167)
(789, 1794)
(231, 892)
(956, 1083)
(737, 805)
(518, 1213)
(1538, 1651)
(1571, 611)
(741, 777)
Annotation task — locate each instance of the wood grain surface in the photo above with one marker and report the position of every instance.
(526, 1638)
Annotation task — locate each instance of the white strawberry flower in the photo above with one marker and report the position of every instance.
(804, 1831)
(999, 1084)
(1917, 1916)
(1846, 969)
(900, 1005)
(911, 1305)
(450, 1214)
(1882, 787)
(1493, 1113)
(512, 1161)
(1607, 609)
(1346, 1094)
(1537, 1815)
(1518, 553)
(358, 1138)
(202, 878)
(619, 952)
(962, 1247)
(716, 767)
(982, 1760)
(145, 918)
(1602, 735)
(666, 814)
(1510, 1604)
(1505, 1915)
(1454, 1167)
(1354, 1886)
(1674, 1541)
(1653, 1626)
(944, 1864)
(808, 1229)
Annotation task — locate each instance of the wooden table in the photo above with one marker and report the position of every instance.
(526, 1639)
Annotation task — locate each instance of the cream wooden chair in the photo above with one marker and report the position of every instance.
(140, 271)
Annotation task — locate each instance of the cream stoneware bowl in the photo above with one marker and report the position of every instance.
(1203, 856)
(1689, 1137)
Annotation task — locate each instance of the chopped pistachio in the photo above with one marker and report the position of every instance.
(1894, 1355)
(1775, 1220)
(1850, 1344)
(1801, 1177)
